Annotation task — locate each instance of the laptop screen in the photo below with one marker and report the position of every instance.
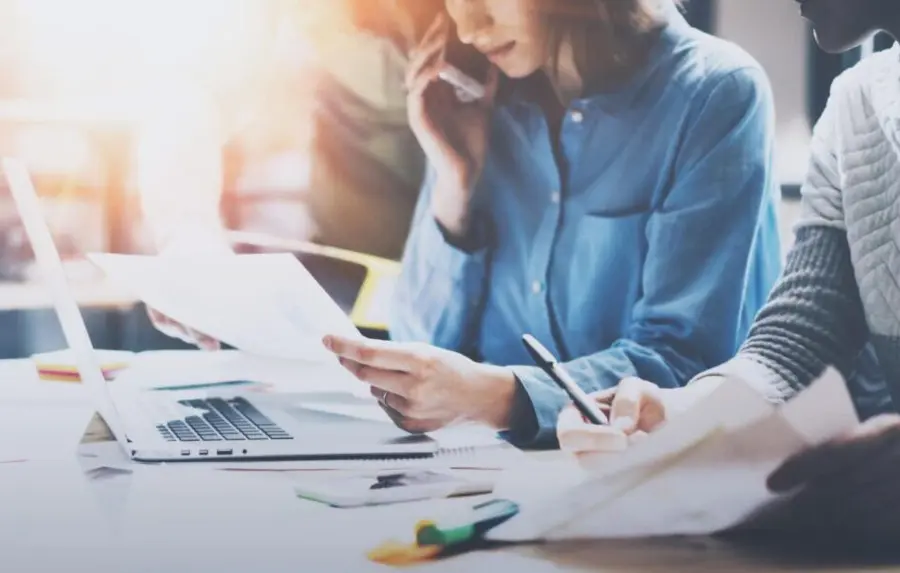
(53, 277)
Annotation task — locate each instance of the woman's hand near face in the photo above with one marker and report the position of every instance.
(454, 135)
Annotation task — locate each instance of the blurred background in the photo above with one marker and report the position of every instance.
(282, 121)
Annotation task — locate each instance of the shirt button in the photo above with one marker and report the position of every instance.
(577, 116)
(554, 197)
(537, 287)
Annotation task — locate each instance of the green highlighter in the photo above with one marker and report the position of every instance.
(471, 526)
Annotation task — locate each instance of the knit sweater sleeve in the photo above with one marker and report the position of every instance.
(814, 319)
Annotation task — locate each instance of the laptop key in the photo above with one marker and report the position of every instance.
(252, 413)
(233, 417)
(183, 432)
(279, 435)
(166, 434)
(204, 430)
(220, 406)
(216, 421)
(196, 422)
(231, 435)
(209, 435)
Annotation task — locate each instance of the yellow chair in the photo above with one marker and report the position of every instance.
(361, 284)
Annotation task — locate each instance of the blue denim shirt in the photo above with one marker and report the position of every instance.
(645, 251)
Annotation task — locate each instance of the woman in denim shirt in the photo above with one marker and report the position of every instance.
(613, 196)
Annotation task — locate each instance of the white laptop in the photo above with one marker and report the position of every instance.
(160, 426)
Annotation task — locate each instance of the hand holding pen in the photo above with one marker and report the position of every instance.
(635, 407)
(548, 363)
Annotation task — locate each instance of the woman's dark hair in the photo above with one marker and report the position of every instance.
(614, 30)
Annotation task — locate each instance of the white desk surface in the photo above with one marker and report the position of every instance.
(56, 516)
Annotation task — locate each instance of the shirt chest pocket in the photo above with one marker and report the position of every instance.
(604, 275)
(620, 194)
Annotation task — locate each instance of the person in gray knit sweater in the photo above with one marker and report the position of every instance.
(837, 303)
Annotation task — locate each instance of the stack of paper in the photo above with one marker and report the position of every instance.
(60, 366)
(704, 472)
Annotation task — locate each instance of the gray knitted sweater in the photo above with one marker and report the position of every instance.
(838, 302)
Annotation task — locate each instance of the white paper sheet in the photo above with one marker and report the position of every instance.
(197, 369)
(704, 472)
(160, 370)
(267, 305)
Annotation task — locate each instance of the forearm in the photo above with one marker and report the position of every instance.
(441, 285)
(452, 209)
(814, 319)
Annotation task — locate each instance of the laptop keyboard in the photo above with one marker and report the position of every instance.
(232, 420)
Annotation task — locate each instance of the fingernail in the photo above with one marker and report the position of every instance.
(637, 437)
(328, 343)
(623, 423)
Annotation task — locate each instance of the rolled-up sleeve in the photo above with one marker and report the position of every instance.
(441, 286)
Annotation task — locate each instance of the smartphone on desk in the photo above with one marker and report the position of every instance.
(465, 68)
(381, 488)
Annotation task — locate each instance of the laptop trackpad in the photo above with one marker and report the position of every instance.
(339, 428)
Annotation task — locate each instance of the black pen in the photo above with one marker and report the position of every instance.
(548, 363)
